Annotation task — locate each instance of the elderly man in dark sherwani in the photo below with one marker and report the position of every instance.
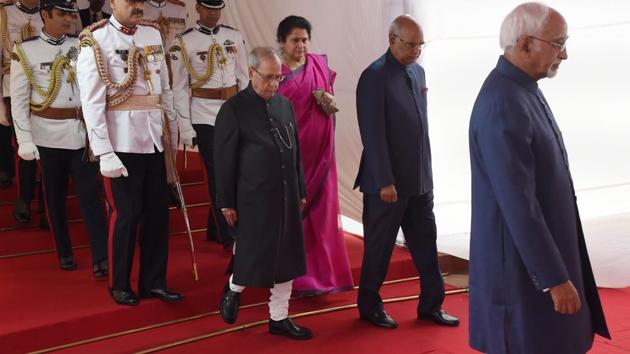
(261, 190)
(531, 284)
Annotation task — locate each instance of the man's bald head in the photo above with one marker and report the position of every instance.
(404, 22)
(405, 39)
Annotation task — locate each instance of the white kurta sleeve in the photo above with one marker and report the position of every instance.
(93, 101)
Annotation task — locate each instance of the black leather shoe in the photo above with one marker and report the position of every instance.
(67, 263)
(22, 212)
(100, 270)
(164, 294)
(124, 297)
(289, 329)
(230, 303)
(5, 181)
(440, 317)
(380, 318)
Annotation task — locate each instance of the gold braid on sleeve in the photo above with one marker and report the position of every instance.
(60, 64)
(6, 43)
(123, 89)
(215, 51)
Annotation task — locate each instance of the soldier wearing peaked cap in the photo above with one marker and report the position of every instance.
(19, 20)
(128, 106)
(209, 65)
(170, 15)
(48, 127)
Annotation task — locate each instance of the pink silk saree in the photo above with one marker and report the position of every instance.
(327, 266)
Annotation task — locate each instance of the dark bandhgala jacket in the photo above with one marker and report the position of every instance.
(526, 233)
(259, 173)
(394, 128)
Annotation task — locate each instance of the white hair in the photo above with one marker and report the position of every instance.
(258, 54)
(527, 19)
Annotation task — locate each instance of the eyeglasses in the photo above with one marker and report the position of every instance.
(269, 78)
(560, 46)
(410, 45)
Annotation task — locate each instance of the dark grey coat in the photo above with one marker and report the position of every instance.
(259, 173)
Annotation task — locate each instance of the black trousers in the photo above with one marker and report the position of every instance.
(139, 211)
(6, 151)
(26, 169)
(57, 165)
(221, 232)
(380, 223)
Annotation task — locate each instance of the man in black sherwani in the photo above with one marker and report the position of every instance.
(261, 190)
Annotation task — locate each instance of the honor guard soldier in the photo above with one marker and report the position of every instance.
(170, 15)
(209, 65)
(18, 20)
(48, 126)
(128, 109)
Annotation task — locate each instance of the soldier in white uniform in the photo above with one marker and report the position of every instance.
(48, 126)
(209, 64)
(125, 93)
(170, 15)
(18, 20)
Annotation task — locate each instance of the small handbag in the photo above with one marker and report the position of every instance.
(330, 108)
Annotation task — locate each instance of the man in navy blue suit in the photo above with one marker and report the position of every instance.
(532, 288)
(395, 175)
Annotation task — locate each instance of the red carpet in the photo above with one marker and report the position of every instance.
(44, 307)
(342, 331)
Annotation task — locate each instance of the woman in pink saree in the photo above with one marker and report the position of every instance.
(327, 266)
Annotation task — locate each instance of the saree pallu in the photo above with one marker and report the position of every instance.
(327, 266)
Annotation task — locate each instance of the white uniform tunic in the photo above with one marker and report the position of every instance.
(135, 131)
(197, 41)
(40, 53)
(173, 12)
(17, 18)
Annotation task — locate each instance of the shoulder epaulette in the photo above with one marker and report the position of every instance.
(145, 22)
(7, 3)
(183, 33)
(96, 25)
(228, 27)
(177, 2)
(29, 39)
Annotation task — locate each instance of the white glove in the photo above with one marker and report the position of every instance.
(187, 138)
(111, 166)
(28, 151)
